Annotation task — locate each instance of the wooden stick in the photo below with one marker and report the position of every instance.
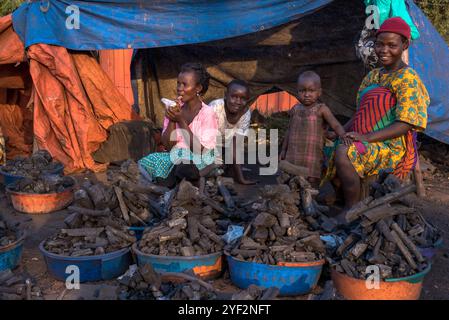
(376, 249)
(230, 204)
(355, 213)
(292, 169)
(121, 234)
(382, 212)
(173, 236)
(209, 234)
(83, 232)
(210, 202)
(147, 188)
(206, 285)
(348, 242)
(202, 186)
(132, 214)
(245, 253)
(192, 227)
(407, 255)
(90, 212)
(123, 207)
(107, 221)
(17, 291)
(383, 229)
(410, 245)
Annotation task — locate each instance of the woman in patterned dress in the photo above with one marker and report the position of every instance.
(392, 106)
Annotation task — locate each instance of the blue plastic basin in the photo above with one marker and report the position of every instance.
(10, 178)
(206, 266)
(430, 252)
(10, 255)
(290, 280)
(92, 268)
(138, 231)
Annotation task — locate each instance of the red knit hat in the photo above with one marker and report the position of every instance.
(395, 25)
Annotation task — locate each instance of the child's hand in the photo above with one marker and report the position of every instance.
(347, 141)
(331, 135)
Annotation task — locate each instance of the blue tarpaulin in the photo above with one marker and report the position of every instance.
(148, 24)
(115, 24)
(429, 56)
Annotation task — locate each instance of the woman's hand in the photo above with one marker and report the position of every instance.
(174, 114)
(355, 136)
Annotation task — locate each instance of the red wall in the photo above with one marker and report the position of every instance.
(117, 63)
(274, 102)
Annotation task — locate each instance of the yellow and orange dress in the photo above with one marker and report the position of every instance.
(382, 99)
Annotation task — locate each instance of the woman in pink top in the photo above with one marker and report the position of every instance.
(190, 132)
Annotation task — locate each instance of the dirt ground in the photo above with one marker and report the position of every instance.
(435, 207)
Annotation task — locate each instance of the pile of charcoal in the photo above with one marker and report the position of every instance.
(15, 286)
(315, 214)
(219, 193)
(105, 237)
(139, 201)
(385, 231)
(191, 228)
(95, 225)
(279, 234)
(43, 184)
(7, 234)
(146, 284)
(39, 163)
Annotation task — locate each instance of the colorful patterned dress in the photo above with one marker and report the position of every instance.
(382, 100)
(204, 127)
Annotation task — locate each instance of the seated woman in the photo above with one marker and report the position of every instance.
(234, 118)
(392, 106)
(189, 133)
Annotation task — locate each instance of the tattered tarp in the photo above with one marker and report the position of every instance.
(115, 24)
(275, 57)
(74, 101)
(109, 24)
(429, 55)
(323, 41)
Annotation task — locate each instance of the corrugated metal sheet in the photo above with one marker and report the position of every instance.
(117, 64)
(274, 102)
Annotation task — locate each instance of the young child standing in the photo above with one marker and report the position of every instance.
(304, 140)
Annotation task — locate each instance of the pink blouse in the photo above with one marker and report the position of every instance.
(204, 126)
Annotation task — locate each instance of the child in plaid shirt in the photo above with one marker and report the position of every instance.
(304, 140)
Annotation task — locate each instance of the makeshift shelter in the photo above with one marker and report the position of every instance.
(73, 101)
(266, 42)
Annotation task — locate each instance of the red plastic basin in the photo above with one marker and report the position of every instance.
(34, 203)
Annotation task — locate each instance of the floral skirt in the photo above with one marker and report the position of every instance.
(376, 157)
(160, 164)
